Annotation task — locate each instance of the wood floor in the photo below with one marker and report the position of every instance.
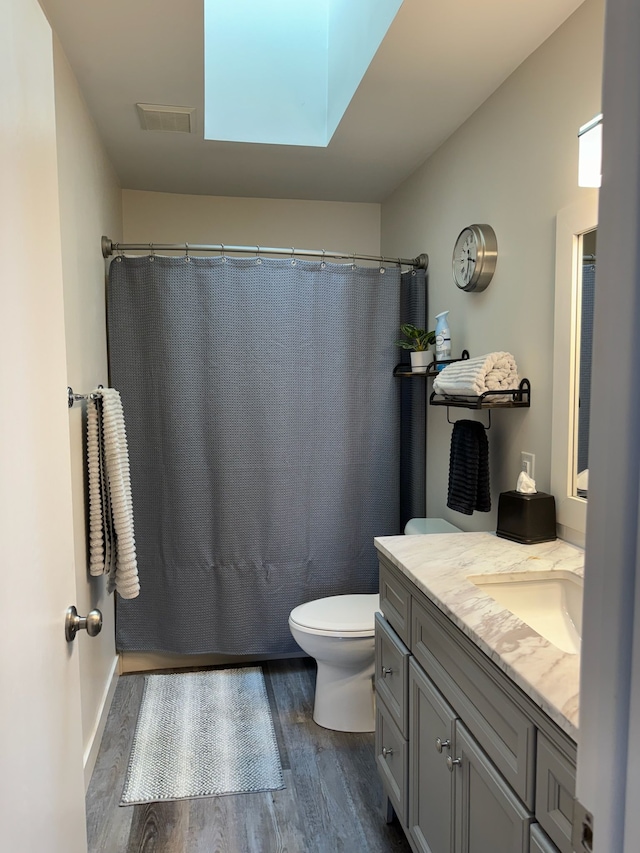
(332, 801)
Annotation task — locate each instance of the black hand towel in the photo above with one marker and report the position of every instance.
(469, 468)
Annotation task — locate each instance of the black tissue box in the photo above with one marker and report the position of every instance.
(527, 519)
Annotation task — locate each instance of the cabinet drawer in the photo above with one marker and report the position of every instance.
(555, 789)
(395, 600)
(392, 666)
(540, 842)
(393, 763)
(477, 694)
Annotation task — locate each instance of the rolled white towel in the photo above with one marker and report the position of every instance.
(471, 377)
(96, 519)
(126, 581)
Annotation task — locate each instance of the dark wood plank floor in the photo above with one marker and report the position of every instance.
(332, 801)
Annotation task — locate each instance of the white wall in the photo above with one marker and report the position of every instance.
(90, 205)
(513, 164)
(171, 218)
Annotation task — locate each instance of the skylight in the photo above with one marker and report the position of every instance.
(283, 72)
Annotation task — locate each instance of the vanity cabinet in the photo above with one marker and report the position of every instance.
(468, 761)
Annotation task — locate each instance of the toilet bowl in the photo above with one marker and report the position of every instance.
(338, 632)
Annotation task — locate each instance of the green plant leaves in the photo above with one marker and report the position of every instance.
(419, 339)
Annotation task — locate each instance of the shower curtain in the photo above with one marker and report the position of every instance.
(264, 428)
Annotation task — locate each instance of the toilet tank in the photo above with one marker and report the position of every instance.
(429, 525)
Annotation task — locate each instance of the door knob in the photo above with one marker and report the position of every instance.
(386, 752)
(73, 623)
(386, 670)
(442, 744)
(452, 762)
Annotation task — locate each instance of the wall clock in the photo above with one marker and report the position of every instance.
(474, 257)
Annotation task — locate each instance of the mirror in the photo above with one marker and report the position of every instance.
(576, 234)
(584, 343)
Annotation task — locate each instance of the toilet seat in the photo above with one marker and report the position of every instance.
(338, 615)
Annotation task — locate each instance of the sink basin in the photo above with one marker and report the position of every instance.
(549, 602)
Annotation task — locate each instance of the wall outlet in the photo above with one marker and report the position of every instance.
(528, 463)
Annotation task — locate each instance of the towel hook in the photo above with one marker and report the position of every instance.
(487, 427)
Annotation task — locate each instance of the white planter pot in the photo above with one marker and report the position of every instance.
(421, 360)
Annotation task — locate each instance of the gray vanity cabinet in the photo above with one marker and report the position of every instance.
(468, 762)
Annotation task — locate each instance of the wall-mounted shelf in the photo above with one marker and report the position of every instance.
(404, 370)
(515, 398)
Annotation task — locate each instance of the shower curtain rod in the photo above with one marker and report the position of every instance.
(109, 247)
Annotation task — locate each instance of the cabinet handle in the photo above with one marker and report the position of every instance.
(442, 744)
(386, 670)
(386, 752)
(451, 762)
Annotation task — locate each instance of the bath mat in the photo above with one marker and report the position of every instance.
(203, 734)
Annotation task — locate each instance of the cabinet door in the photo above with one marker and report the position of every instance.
(488, 815)
(431, 722)
(539, 841)
(555, 789)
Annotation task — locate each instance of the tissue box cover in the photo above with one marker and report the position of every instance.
(527, 519)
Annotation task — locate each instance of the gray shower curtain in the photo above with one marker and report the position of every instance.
(264, 428)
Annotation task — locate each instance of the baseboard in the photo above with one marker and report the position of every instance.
(152, 661)
(91, 752)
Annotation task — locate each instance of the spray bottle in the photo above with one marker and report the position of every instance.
(443, 338)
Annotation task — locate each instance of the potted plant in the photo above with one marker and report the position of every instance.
(418, 342)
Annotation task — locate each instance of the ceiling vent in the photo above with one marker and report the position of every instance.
(174, 119)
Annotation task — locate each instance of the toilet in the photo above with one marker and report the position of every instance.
(338, 632)
(422, 526)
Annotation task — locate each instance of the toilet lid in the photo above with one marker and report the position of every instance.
(339, 613)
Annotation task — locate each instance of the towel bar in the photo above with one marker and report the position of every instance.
(487, 427)
(72, 398)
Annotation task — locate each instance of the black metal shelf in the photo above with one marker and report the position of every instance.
(514, 398)
(404, 370)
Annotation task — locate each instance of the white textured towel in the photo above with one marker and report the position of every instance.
(112, 547)
(472, 377)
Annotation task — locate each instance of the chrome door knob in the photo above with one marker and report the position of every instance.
(386, 752)
(91, 623)
(386, 670)
(452, 762)
(442, 744)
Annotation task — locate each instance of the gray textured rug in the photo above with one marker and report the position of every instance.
(203, 734)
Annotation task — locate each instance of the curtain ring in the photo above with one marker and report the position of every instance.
(353, 261)
(186, 252)
(258, 259)
(152, 255)
(224, 260)
(293, 260)
(323, 264)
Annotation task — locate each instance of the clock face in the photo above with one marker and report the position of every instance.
(474, 257)
(464, 258)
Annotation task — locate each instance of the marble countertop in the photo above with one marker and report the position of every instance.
(439, 565)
